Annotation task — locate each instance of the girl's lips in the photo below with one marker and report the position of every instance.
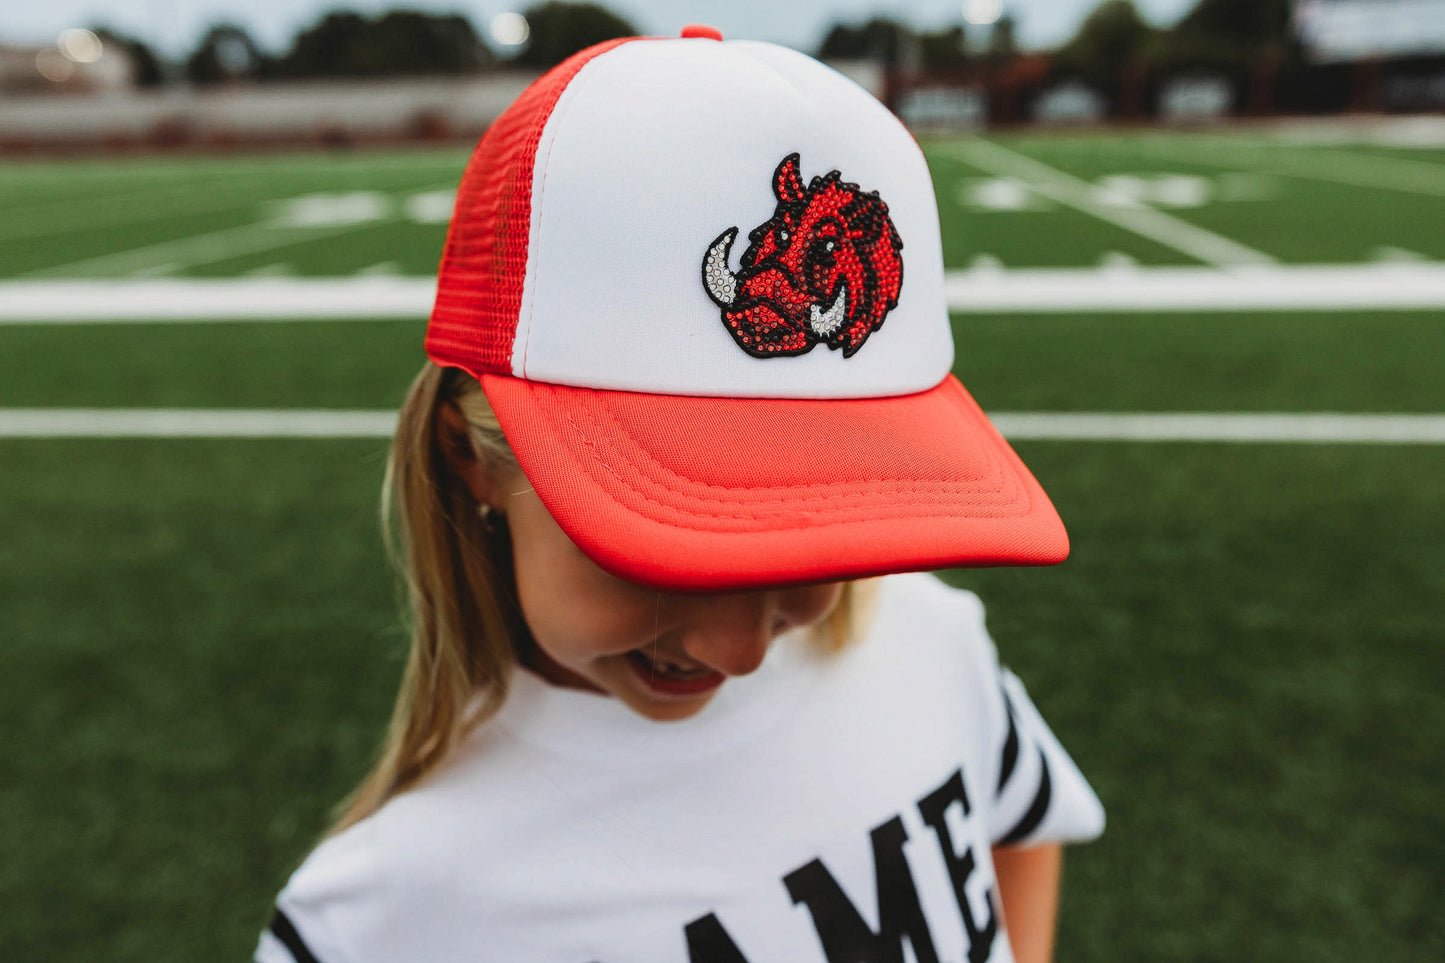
(664, 684)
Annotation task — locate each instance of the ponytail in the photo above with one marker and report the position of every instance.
(457, 572)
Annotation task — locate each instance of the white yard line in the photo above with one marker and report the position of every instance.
(1398, 286)
(1073, 192)
(193, 423)
(1019, 426)
(1379, 286)
(163, 300)
(1224, 427)
(197, 249)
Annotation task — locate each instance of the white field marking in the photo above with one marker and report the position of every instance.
(1020, 426)
(1162, 190)
(190, 251)
(1407, 175)
(1279, 287)
(193, 423)
(331, 210)
(1403, 132)
(203, 299)
(998, 194)
(1397, 255)
(1094, 200)
(431, 207)
(1315, 428)
(987, 288)
(381, 269)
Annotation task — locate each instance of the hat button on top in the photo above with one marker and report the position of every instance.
(700, 31)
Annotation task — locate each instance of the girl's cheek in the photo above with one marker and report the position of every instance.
(811, 604)
(594, 621)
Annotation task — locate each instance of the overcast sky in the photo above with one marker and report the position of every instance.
(173, 26)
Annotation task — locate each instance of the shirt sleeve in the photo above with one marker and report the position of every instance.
(1039, 794)
(338, 889)
(281, 942)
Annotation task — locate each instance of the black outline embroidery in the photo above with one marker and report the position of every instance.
(864, 219)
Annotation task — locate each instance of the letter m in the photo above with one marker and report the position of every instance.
(845, 937)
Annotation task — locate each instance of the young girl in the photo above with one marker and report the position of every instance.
(649, 712)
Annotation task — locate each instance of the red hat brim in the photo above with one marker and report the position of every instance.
(719, 494)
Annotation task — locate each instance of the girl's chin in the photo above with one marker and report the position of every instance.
(659, 710)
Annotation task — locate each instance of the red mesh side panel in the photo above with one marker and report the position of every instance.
(479, 284)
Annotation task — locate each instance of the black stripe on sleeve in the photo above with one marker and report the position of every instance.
(283, 929)
(1010, 746)
(1037, 809)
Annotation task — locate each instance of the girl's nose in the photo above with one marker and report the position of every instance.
(731, 632)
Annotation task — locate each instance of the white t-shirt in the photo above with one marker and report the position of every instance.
(826, 808)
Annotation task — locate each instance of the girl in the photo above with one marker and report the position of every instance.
(649, 712)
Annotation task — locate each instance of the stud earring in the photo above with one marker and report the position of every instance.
(486, 513)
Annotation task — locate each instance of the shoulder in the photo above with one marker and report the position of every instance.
(373, 890)
(1032, 790)
(919, 612)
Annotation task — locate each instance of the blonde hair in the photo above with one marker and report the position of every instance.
(457, 567)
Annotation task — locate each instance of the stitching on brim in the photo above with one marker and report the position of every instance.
(800, 505)
(999, 471)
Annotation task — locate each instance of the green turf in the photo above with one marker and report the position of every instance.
(56, 227)
(1052, 237)
(1311, 217)
(1241, 362)
(199, 653)
(1243, 651)
(315, 364)
(1244, 654)
(1380, 362)
(60, 214)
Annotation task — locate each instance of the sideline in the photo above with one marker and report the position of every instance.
(1408, 286)
(1243, 427)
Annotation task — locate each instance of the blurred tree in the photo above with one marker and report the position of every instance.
(944, 48)
(879, 39)
(1247, 41)
(1003, 43)
(149, 71)
(226, 52)
(558, 29)
(1110, 39)
(346, 44)
(1251, 23)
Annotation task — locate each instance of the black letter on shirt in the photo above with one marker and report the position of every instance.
(708, 942)
(846, 938)
(960, 868)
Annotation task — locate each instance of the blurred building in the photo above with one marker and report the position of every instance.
(94, 69)
(1335, 30)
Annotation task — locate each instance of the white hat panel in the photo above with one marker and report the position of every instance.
(655, 149)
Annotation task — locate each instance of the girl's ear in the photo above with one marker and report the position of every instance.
(455, 439)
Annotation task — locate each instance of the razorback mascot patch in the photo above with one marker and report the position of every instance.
(824, 269)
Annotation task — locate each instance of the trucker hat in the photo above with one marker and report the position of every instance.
(701, 283)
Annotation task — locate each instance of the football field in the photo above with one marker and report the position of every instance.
(1221, 353)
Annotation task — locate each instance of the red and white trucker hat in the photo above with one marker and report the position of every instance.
(701, 283)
